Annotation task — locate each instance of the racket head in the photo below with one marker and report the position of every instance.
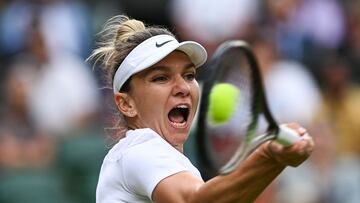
(233, 63)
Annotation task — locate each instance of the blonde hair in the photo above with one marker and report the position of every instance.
(119, 36)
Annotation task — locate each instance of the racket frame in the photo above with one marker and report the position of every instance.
(251, 143)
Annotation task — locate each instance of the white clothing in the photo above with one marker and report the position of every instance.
(136, 164)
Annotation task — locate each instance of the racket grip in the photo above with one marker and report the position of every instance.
(287, 136)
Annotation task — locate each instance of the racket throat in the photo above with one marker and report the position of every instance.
(244, 151)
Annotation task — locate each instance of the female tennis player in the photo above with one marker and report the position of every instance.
(155, 90)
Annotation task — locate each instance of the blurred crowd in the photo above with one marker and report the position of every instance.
(53, 109)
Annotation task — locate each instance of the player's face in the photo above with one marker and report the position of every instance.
(166, 97)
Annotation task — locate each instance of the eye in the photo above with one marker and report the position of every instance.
(159, 78)
(190, 76)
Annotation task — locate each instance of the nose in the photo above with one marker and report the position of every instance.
(181, 87)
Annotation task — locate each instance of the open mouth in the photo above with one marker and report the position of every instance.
(178, 116)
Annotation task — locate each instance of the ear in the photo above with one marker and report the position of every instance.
(125, 104)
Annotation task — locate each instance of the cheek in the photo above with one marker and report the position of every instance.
(150, 100)
(195, 94)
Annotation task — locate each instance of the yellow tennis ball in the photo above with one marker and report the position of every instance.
(222, 102)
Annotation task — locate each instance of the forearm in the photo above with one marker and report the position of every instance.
(244, 184)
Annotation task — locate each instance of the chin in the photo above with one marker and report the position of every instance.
(178, 136)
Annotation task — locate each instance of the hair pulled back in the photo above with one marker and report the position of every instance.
(118, 37)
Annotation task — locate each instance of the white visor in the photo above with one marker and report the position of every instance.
(152, 51)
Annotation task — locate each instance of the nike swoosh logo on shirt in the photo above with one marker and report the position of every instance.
(162, 44)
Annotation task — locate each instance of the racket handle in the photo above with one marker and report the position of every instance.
(287, 136)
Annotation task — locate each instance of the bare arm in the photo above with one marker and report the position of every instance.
(243, 185)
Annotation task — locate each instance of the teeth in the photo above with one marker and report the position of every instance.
(182, 108)
(178, 125)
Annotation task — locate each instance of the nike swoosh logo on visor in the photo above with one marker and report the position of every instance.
(162, 44)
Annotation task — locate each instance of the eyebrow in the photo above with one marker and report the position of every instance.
(168, 68)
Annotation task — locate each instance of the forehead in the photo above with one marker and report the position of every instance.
(175, 61)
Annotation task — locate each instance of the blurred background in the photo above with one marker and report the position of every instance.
(52, 112)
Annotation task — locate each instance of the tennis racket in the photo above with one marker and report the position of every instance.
(223, 146)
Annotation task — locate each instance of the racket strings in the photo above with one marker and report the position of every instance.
(251, 109)
(232, 142)
(240, 129)
(238, 73)
(245, 115)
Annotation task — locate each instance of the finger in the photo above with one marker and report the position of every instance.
(293, 125)
(302, 131)
(305, 146)
(275, 147)
(310, 143)
(299, 129)
(309, 139)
